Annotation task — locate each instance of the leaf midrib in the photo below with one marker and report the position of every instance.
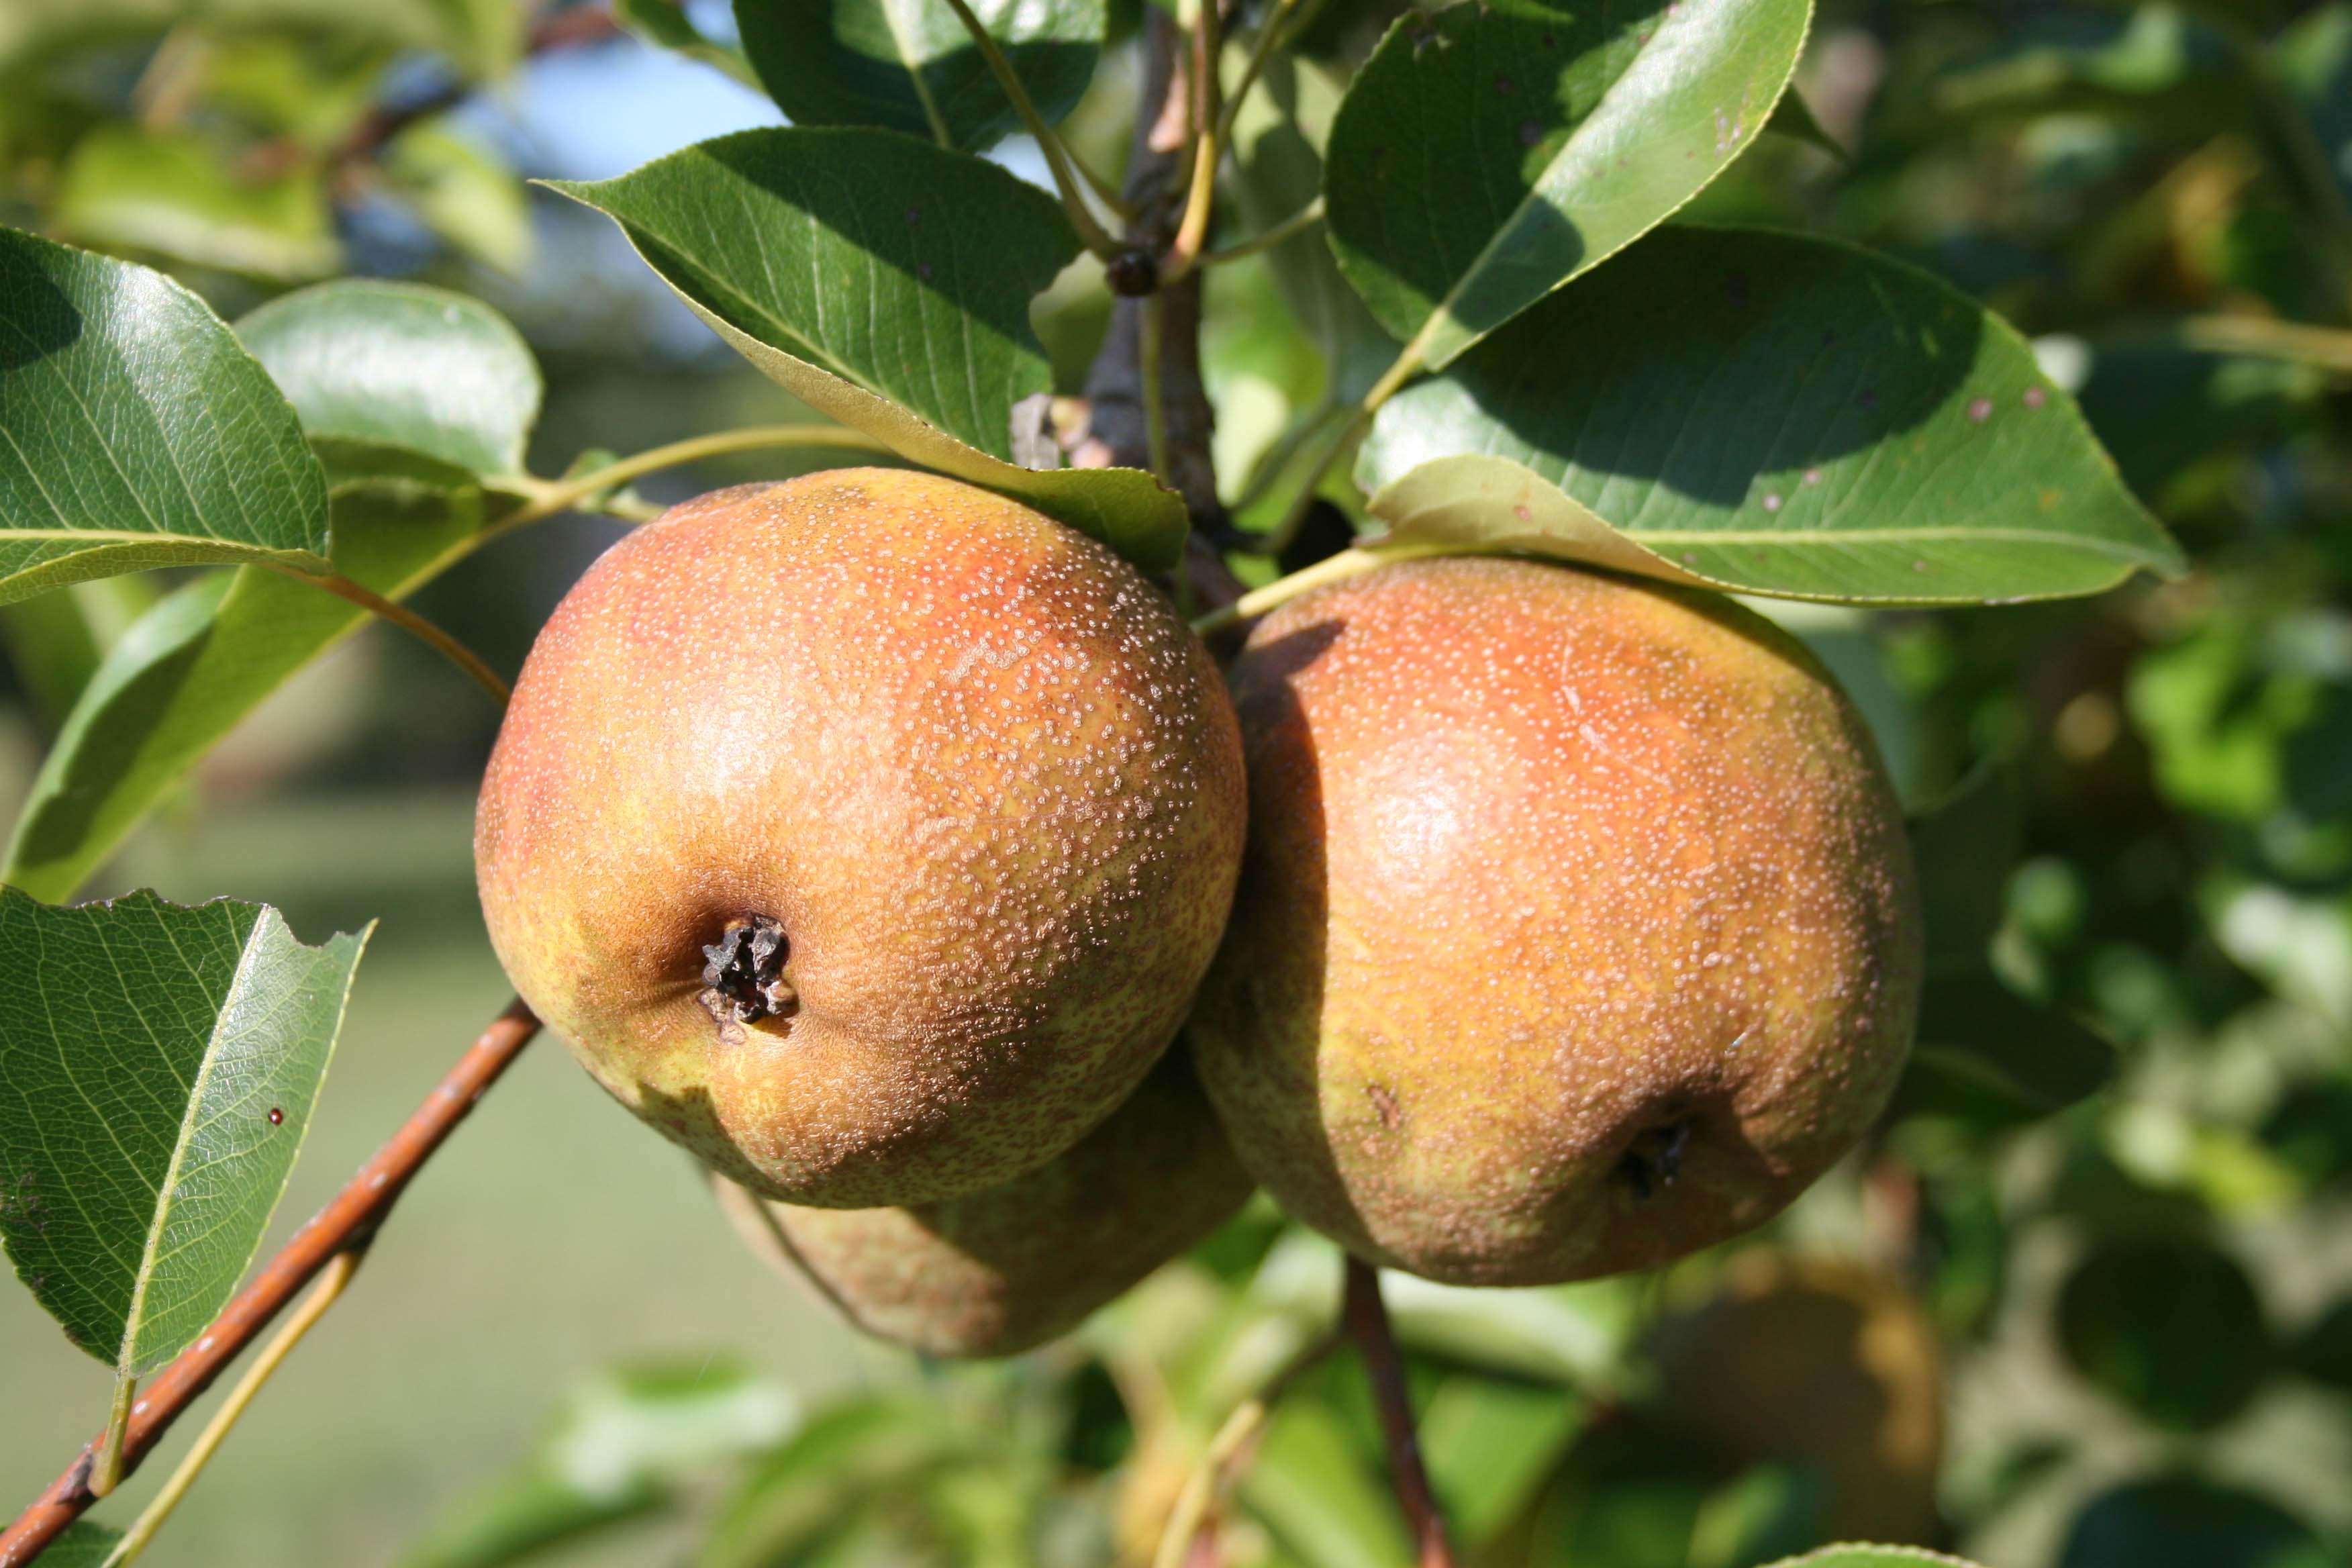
(136, 1313)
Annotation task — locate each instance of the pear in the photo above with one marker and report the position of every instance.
(1578, 928)
(996, 1272)
(867, 834)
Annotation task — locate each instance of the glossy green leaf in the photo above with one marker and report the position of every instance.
(666, 22)
(2174, 1328)
(134, 431)
(622, 1442)
(1490, 153)
(1769, 414)
(176, 194)
(186, 672)
(910, 65)
(1873, 1557)
(1488, 1443)
(371, 364)
(157, 1069)
(886, 283)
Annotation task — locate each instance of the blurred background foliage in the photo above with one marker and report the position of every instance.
(2084, 1301)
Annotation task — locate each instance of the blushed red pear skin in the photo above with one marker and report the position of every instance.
(1578, 928)
(867, 834)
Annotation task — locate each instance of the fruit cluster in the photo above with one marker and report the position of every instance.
(876, 838)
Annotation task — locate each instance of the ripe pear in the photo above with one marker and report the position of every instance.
(1578, 926)
(996, 1272)
(867, 834)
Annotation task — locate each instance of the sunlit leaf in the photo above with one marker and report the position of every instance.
(423, 371)
(173, 194)
(886, 283)
(1771, 414)
(157, 1069)
(910, 66)
(667, 23)
(462, 193)
(134, 431)
(1491, 152)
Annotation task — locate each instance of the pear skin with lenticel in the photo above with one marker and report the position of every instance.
(867, 834)
(996, 1272)
(1578, 928)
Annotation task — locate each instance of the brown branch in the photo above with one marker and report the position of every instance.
(347, 1225)
(1368, 1325)
(1117, 431)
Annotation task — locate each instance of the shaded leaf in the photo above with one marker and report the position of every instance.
(825, 1475)
(666, 22)
(190, 670)
(55, 640)
(134, 431)
(1792, 117)
(1770, 414)
(126, 187)
(1490, 153)
(1965, 847)
(1989, 1054)
(83, 1545)
(886, 283)
(910, 66)
(2180, 1522)
(2172, 1327)
(157, 1069)
(423, 371)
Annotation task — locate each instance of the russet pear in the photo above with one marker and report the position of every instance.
(995, 1272)
(867, 834)
(1578, 926)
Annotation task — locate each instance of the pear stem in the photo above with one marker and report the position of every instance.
(345, 1226)
(1367, 1324)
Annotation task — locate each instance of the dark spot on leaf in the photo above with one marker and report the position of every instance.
(1869, 398)
(2035, 398)
(1502, 87)
(1530, 132)
(277, 1116)
(1979, 410)
(1735, 288)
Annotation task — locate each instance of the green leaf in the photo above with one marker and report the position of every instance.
(83, 1545)
(1769, 413)
(621, 1443)
(910, 66)
(125, 187)
(666, 22)
(1489, 1444)
(1489, 154)
(1792, 117)
(157, 1069)
(462, 193)
(886, 283)
(1965, 847)
(2171, 1328)
(1872, 1557)
(1312, 1488)
(1987, 1053)
(1277, 171)
(55, 640)
(847, 1458)
(371, 364)
(187, 672)
(2181, 1521)
(134, 431)
(2315, 56)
